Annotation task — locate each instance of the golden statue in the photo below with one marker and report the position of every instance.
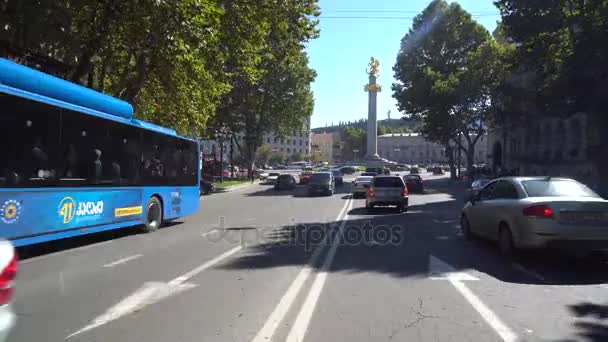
(373, 67)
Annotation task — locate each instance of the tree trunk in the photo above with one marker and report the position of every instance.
(450, 155)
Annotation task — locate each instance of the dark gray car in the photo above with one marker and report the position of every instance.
(387, 190)
(322, 183)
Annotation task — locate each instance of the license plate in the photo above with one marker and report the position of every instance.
(588, 218)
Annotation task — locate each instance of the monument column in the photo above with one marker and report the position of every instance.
(372, 88)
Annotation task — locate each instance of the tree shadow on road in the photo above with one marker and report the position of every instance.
(401, 245)
(590, 322)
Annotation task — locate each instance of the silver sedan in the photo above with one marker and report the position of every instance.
(537, 212)
(360, 185)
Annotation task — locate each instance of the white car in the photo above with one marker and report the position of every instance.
(8, 265)
(272, 178)
(360, 185)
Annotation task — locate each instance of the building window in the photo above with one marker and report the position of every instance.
(300, 142)
(275, 140)
(281, 149)
(268, 140)
(288, 141)
(288, 150)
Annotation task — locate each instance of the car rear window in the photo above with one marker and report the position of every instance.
(364, 179)
(413, 177)
(388, 182)
(284, 177)
(556, 188)
(320, 177)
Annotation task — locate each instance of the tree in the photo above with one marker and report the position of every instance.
(280, 98)
(161, 56)
(277, 158)
(444, 72)
(354, 140)
(263, 154)
(316, 157)
(297, 156)
(560, 64)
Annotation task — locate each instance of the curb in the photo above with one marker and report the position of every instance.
(236, 187)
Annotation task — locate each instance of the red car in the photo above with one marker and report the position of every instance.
(305, 177)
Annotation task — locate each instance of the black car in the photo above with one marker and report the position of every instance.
(338, 176)
(286, 182)
(349, 170)
(414, 183)
(322, 183)
(376, 170)
(438, 171)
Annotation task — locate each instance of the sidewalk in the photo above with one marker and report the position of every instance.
(235, 187)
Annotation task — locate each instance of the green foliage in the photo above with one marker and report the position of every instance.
(186, 64)
(277, 158)
(315, 157)
(354, 139)
(298, 156)
(263, 154)
(448, 69)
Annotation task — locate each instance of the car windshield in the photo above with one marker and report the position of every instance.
(557, 188)
(388, 182)
(320, 178)
(273, 174)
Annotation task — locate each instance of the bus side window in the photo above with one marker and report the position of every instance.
(29, 142)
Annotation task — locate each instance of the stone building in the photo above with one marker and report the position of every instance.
(546, 146)
(413, 148)
(328, 145)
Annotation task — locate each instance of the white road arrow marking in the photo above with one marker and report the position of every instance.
(439, 269)
(150, 293)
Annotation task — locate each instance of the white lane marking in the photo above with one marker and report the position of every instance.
(436, 221)
(280, 311)
(123, 260)
(300, 326)
(488, 315)
(150, 293)
(76, 249)
(442, 237)
(528, 272)
(439, 269)
(448, 272)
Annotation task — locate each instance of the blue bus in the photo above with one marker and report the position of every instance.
(74, 161)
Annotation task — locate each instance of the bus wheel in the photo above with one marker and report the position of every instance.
(154, 215)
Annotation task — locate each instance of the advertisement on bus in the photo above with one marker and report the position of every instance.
(31, 213)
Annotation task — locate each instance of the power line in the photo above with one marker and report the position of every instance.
(413, 12)
(386, 18)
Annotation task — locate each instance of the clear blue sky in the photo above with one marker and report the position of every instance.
(342, 52)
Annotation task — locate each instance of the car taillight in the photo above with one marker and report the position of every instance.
(6, 280)
(541, 210)
(371, 192)
(404, 193)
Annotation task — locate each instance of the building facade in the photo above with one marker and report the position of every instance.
(327, 145)
(546, 146)
(297, 142)
(413, 148)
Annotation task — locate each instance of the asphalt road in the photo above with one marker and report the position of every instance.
(259, 265)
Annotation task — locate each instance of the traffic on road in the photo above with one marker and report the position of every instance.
(316, 268)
